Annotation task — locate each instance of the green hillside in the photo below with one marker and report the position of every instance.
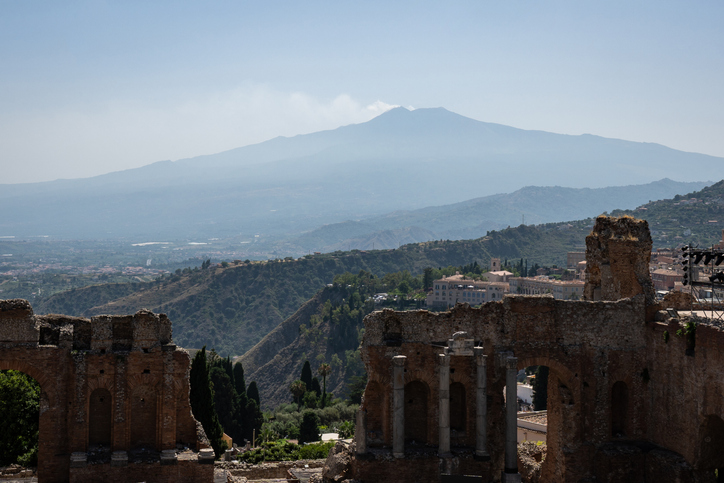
(696, 218)
(232, 307)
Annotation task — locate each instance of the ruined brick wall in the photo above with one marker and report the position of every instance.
(624, 401)
(115, 381)
(618, 252)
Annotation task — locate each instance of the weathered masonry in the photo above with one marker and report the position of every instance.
(629, 400)
(114, 386)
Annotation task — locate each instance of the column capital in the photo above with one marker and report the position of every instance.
(511, 363)
(399, 361)
(443, 360)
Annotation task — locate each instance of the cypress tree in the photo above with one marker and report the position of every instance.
(239, 383)
(307, 375)
(201, 398)
(316, 387)
(540, 389)
(309, 428)
(253, 393)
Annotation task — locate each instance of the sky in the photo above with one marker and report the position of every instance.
(90, 87)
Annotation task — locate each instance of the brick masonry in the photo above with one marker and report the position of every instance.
(624, 404)
(114, 381)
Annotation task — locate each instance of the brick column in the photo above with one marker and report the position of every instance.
(444, 406)
(167, 411)
(398, 414)
(510, 473)
(481, 409)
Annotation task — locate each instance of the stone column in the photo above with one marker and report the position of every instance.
(398, 414)
(510, 473)
(444, 406)
(360, 433)
(481, 411)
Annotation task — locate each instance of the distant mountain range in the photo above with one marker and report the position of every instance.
(401, 160)
(474, 218)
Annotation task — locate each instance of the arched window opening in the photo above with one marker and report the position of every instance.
(619, 409)
(143, 417)
(99, 418)
(458, 407)
(416, 412)
(20, 402)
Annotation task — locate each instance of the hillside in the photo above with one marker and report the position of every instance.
(401, 160)
(473, 218)
(232, 308)
(693, 218)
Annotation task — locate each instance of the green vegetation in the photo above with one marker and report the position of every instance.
(694, 218)
(19, 418)
(309, 427)
(202, 402)
(286, 451)
(286, 421)
(232, 308)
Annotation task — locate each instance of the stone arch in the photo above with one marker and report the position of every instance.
(143, 416)
(619, 409)
(40, 375)
(711, 442)
(100, 423)
(417, 403)
(52, 439)
(562, 412)
(376, 397)
(458, 407)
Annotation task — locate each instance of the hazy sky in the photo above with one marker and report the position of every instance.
(90, 87)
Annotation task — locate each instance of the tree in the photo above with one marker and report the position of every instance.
(252, 392)
(226, 403)
(428, 278)
(19, 416)
(324, 371)
(239, 382)
(201, 397)
(309, 428)
(540, 389)
(316, 387)
(298, 388)
(306, 376)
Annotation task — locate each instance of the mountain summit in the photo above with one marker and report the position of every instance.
(400, 160)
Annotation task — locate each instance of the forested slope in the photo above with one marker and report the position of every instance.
(231, 308)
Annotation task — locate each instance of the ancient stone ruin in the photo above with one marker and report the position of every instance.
(634, 394)
(114, 402)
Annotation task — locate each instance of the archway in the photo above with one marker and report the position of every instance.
(552, 389)
(20, 403)
(416, 404)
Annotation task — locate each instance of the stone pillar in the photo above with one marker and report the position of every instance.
(510, 473)
(481, 410)
(360, 433)
(398, 414)
(444, 406)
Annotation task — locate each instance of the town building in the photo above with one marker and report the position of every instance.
(448, 291)
(541, 285)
